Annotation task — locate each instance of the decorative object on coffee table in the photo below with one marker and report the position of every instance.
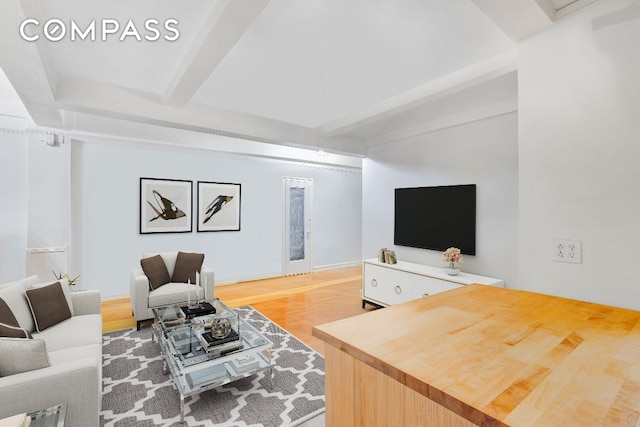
(220, 328)
(199, 309)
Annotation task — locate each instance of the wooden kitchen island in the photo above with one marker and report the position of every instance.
(481, 355)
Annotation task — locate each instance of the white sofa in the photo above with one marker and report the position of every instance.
(144, 300)
(74, 349)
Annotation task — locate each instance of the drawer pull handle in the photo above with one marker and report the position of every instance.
(398, 290)
(374, 282)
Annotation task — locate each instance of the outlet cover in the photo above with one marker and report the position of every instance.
(567, 251)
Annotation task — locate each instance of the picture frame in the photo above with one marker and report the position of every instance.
(165, 206)
(218, 206)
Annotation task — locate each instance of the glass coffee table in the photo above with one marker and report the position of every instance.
(49, 417)
(52, 416)
(209, 350)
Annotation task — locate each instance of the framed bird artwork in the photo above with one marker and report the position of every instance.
(165, 206)
(218, 206)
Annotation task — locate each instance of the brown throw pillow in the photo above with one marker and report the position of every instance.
(6, 315)
(187, 264)
(156, 271)
(48, 305)
(9, 331)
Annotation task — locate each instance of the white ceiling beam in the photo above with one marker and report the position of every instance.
(573, 7)
(518, 19)
(27, 64)
(101, 129)
(494, 109)
(481, 72)
(226, 23)
(85, 96)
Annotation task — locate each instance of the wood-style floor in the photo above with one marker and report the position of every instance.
(297, 303)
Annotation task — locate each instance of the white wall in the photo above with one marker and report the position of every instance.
(13, 189)
(483, 153)
(34, 186)
(579, 129)
(48, 178)
(105, 200)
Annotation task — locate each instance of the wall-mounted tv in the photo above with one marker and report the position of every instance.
(436, 217)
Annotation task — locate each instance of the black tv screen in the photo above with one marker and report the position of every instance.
(436, 217)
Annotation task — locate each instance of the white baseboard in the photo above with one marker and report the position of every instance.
(248, 279)
(272, 275)
(337, 266)
(114, 297)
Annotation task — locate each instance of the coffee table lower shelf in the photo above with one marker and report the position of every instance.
(200, 381)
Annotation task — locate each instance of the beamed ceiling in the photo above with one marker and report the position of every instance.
(334, 75)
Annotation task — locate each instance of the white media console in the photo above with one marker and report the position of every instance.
(389, 284)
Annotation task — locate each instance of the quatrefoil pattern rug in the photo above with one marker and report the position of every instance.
(137, 393)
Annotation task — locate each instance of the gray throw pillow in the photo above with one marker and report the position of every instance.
(156, 271)
(187, 264)
(9, 331)
(18, 355)
(48, 305)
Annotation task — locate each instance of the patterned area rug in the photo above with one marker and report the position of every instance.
(136, 393)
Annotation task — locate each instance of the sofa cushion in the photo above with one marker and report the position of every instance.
(86, 329)
(6, 285)
(28, 282)
(174, 293)
(48, 305)
(12, 331)
(187, 264)
(66, 355)
(18, 355)
(6, 315)
(75, 354)
(156, 271)
(14, 296)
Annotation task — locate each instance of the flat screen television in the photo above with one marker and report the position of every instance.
(436, 217)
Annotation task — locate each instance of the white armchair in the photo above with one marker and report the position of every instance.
(144, 299)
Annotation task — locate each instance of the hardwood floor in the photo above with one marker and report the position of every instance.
(297, 303)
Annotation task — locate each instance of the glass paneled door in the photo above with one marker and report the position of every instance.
(298, 195)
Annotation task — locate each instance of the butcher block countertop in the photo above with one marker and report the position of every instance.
(505, 357)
